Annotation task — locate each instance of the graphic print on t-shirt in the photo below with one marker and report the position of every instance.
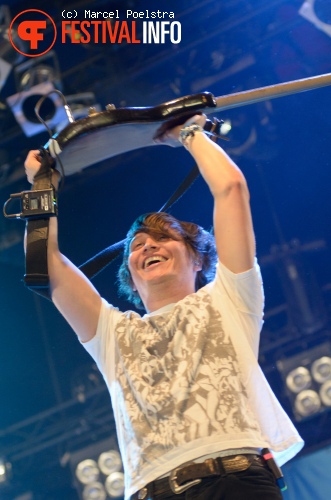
(186, 354)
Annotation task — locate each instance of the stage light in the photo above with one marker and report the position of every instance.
(34, 79)
(325, 393)
(109, 462)
(5, 471)
(321, 369)
(307, 378)
(298, 379)
(98, 471)
(307, 403)
(2, 471)
(37, 78)
(22, 105)
(115, 484)
(94, 491)
(87, 471)
(318, 13)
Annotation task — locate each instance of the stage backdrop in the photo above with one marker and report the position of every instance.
(309, 477)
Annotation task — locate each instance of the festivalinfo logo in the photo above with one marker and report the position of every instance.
(30, 26)
(39, 31)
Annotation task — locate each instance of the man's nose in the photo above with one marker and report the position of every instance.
(150, 243)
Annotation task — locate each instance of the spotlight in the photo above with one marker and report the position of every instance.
(299, 379)
(2, 471)
(318, 13)
(115, 484)
(321, 369)
(98, 471)
(87, 471)
(307, 378)
(5, 471)
(109, 462)
(307, 403)
(325, 393)
(33, 80)
(23, 103)
(94, 491)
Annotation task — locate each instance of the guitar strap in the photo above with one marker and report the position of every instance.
(36, 267)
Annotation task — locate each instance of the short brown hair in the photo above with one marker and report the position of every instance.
(200, 243)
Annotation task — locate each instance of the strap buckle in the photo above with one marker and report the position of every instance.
(175, 487)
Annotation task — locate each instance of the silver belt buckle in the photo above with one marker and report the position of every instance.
(176, 488)
(142, 494)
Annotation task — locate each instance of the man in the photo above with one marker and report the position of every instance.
(184, 379)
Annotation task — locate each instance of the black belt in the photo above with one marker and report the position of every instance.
(190, 474)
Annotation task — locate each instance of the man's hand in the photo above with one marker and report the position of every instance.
(171, 135)
(32, 164)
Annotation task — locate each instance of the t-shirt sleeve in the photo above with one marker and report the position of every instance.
(101, 345)
(245, 289)
(241, 299)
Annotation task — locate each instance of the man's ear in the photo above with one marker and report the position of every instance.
(197, 265)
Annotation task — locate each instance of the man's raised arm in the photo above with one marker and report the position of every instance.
(72, 293)
(233, 226)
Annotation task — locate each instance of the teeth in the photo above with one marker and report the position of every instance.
(155, 258)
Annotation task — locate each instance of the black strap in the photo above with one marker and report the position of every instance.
(182, 188)
(36, 267)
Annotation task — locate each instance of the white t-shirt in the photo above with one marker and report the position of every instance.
(185, 381)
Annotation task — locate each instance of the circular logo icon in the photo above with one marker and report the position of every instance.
(32, 33)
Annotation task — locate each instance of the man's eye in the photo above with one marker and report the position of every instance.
(135, 245)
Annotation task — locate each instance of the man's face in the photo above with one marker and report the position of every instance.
(160, 258)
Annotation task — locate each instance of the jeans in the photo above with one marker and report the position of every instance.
(255, 483)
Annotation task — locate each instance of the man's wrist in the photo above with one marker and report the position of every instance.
(188, 132)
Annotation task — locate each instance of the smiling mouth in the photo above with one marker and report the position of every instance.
(156, 259)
